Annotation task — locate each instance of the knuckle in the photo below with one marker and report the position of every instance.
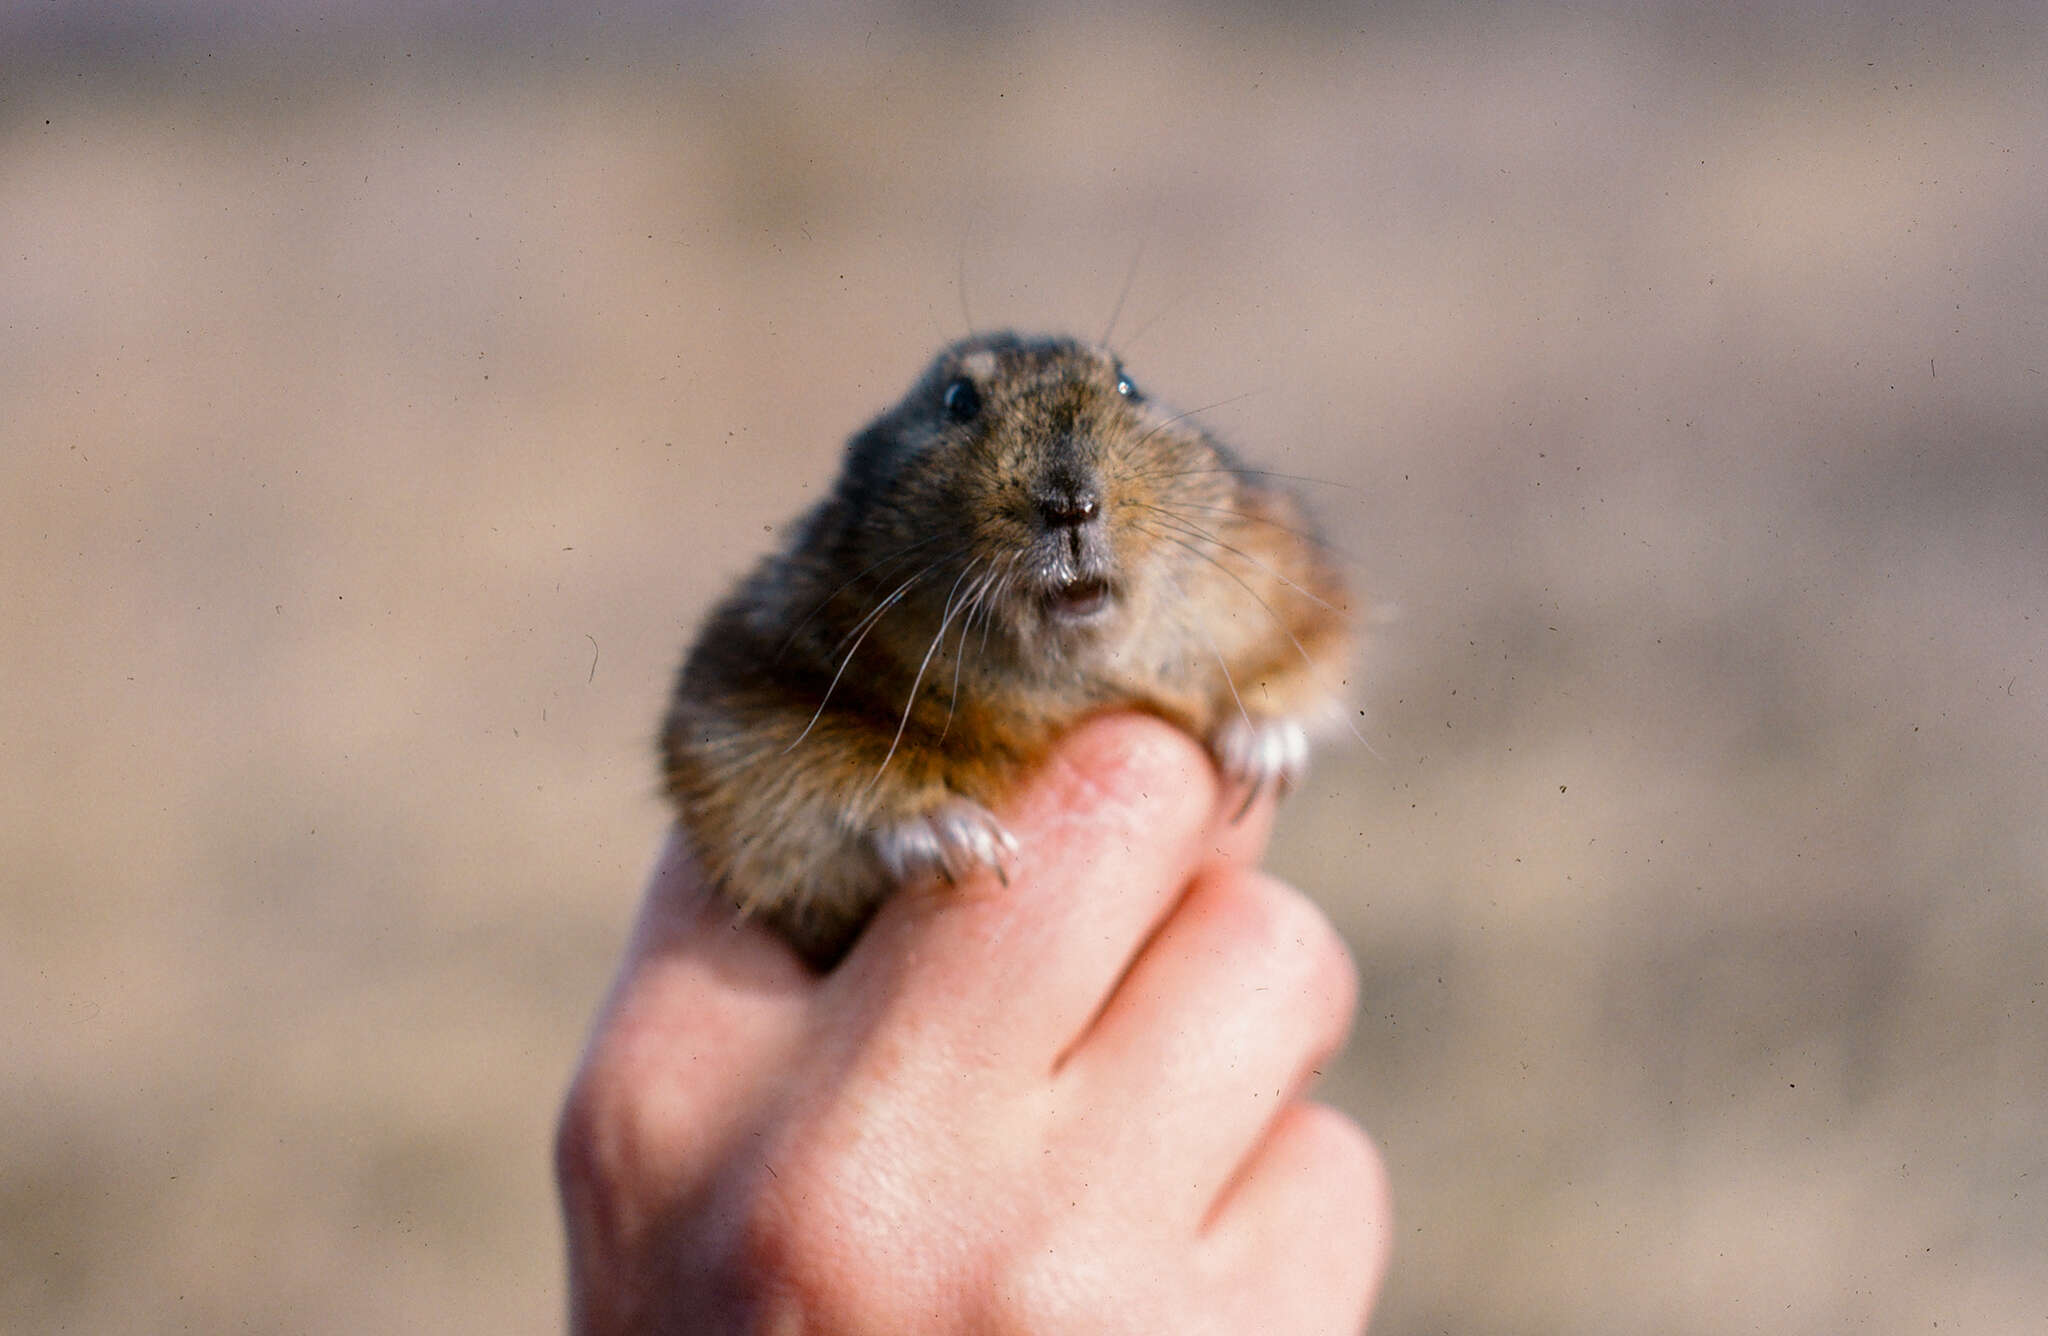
(818, 1226)
(592, 1137)
(1334, 1138)
(787, 1241)
(575, 1157)
(1281, 936)
(1349, 1172)
(801, 1209)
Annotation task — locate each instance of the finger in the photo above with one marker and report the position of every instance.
(1242, 824)
(704, 1012)
(1306, 1228)
(1217, 1027)
(1110, 830)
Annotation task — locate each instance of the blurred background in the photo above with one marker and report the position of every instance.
(385, 390)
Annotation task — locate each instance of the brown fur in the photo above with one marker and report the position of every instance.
(1192, 589)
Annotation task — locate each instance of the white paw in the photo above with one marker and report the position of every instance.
(1257, 752)
(952, 840)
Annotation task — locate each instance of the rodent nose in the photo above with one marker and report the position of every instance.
(1068, 505)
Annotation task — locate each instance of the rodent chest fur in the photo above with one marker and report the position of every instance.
(1024, 539)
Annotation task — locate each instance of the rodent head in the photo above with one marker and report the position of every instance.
(1035, 487)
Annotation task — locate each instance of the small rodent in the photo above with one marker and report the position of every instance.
(1024, 540)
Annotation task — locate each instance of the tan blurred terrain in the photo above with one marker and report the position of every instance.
(376, 424)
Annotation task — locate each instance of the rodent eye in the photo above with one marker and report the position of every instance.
(963, 401)
(1127, 388)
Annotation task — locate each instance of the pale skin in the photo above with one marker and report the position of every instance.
(1074, 1104)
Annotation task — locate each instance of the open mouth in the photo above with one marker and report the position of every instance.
(1078, 600)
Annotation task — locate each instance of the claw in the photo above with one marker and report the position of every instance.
(1257, 752)
(951, 841)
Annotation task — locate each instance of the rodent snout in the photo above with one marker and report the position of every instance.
(1072, 540)
(1067, 491)
(1067, 503)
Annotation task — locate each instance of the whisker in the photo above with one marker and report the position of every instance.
(826, 601)
(1303, 534)
(895, 594)
(1191, 530)
(1371, 750)
(996, 595)
(1221, 662)
(1256, 473)
(1190, 547)
(974, 596)
(1149, 325)
(1001, 594)
(1130, 276)
(865, 625)
(960, 276)
(1182, 417)
(945, 620)
(1228, 681)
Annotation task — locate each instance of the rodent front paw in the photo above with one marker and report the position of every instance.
(1257, 752)
(952, 840)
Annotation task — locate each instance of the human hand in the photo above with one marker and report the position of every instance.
(1070, 1105)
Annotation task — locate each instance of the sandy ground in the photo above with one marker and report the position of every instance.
(376, 423)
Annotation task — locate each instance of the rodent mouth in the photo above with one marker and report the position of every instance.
(1079, 600)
